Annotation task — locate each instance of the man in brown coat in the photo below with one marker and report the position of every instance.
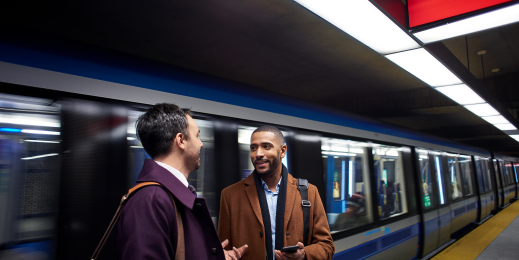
(264, 210)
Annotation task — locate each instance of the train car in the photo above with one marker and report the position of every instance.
(69, 151)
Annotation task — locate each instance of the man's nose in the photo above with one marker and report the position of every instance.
(259, 153)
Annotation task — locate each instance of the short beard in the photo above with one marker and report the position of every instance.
(270, 170)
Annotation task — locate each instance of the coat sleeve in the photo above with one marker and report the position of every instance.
(224, 221)
(144, 227)
(321, 243)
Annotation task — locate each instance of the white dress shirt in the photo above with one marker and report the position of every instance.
(175, 173)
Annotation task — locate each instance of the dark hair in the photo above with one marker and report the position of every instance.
(272, 129)
(158, 127)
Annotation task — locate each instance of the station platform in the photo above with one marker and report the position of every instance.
(497, 238)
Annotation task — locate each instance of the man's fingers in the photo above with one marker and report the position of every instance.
(236, 252)
(242, 249)
(225, 243)
(301, 245)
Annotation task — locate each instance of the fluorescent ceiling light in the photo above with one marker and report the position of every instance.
(424, 66)
(505, 126)
(39, 156)
(340, 154)
(516, 137)
(363, 21)
(40, 132)
(482, 110)
(496, 119)
(136, 146)
(462, 94)
(473, 24)
(130, 138)
(42, 141)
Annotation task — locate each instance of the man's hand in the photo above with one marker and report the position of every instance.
(300, 254)
(235, 253)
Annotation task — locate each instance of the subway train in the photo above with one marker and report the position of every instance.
(69, 152)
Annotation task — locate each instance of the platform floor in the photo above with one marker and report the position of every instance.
(497, 238)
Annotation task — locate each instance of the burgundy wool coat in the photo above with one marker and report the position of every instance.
(147, 228)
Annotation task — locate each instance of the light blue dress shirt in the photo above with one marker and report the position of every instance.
(272, 201)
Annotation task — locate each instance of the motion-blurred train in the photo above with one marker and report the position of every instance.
(68, 152)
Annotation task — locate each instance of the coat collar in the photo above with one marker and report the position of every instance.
(252, 195)
(151, 171)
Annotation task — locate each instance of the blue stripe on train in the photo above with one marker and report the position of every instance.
(378, 245)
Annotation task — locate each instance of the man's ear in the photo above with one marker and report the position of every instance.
(180, 141)
(284, 151)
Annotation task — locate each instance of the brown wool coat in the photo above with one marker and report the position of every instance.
(241, 221)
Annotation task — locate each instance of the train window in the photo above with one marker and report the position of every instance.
(439, 176)
(488, 174)
(348, 196)
(480, 174)
(466, 173)
(510, 172)
(426, 178)
(202, 179)
(496, 170)
(30, 165)
(483, 174)
(389, 173)
(516, 168)
(244, 135)
(455, 176)
(503, 173)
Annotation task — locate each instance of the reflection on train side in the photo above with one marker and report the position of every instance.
(29, 174)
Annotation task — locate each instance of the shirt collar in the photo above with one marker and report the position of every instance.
(266, 187)
(175, 173)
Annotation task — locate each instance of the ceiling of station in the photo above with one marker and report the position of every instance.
(278, 46)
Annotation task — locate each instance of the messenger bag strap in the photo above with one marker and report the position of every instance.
(180, 252)
(302, 186)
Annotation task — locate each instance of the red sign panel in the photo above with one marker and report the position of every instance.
(426, 11)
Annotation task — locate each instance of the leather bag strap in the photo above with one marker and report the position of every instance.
(302, 186)
(180, 251)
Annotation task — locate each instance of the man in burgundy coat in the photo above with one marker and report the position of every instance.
(148, 224)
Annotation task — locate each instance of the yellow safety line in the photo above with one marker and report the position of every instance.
(472, 244)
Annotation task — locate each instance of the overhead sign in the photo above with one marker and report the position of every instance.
(427, 11)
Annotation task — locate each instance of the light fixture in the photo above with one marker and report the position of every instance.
(495, 119)
(130, 138)
(482, 110)
(496, 18)
(424, 66)
(29, 119)
(364, 22)
(505, 126)
(516, 137)
(40, 156)
(462, 94)
(40, 132)
(41, 141)
(339, 153)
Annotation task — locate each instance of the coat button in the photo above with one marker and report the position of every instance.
(261, 234)
(214, 251)
(288, 234)
(198, 206)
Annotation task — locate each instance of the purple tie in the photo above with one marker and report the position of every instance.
(192, 189)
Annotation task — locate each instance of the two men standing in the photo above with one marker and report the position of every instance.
(263, 211)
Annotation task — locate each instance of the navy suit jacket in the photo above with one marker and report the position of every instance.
(147, 228)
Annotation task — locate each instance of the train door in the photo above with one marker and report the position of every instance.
(489, 186)
(444, 212)
(431, 227)
(506, 185)
(511, 179)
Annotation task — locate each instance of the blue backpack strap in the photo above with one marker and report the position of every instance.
(302, 186)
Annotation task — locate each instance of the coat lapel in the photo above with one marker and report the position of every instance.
(292, 194)
(252, 195)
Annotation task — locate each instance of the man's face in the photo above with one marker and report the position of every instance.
(193, 144)
(266, 152)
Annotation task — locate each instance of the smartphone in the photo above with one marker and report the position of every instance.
(290, 249)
